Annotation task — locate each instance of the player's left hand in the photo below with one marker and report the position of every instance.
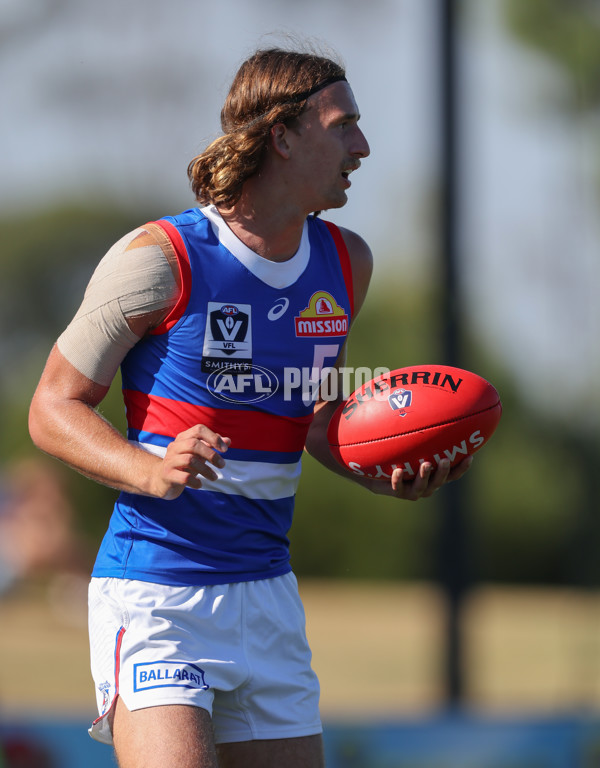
(429, 479)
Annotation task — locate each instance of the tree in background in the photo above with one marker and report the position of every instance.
(568, 33)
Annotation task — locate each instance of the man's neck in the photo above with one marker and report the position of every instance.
(271, 229)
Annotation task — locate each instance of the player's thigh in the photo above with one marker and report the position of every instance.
(303, 752)
(155, 737)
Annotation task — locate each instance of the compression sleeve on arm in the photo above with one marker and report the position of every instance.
(134, 278)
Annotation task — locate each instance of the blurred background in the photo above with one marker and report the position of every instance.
(460, 631)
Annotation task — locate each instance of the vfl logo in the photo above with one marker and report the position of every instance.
(228, 325)
(236, 387)
(322, 317)
(400, 399)
(165, 674)
(227, 337)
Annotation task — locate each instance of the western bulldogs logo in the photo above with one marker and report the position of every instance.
(105, 689)
(227, 338)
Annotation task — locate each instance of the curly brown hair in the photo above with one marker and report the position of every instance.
(270, 87)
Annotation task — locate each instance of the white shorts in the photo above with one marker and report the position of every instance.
(236, 650)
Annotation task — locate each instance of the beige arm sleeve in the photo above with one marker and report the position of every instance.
(136, 277)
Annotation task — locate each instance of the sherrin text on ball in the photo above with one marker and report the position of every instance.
(411, 415)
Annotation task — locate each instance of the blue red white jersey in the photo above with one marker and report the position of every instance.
(240, 352)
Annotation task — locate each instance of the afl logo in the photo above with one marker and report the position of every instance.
(229, 309)
(236, 387)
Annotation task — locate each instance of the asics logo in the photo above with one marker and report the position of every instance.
(279, 308)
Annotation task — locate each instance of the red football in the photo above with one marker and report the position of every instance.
(410, 415)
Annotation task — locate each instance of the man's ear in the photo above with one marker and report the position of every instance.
(279, 140)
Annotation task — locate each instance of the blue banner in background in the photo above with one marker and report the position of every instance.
(447, 741)
(51, 743)
(461, 741)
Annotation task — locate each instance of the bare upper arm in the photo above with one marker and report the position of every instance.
(361, 261)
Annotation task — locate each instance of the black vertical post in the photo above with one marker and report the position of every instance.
(450, 203)
(452, 555)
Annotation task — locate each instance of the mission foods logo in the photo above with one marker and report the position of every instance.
(323, 317)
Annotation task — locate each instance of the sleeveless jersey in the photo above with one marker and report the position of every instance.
(240, 352)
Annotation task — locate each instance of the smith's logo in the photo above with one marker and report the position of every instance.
(322, 317)
(164, 674)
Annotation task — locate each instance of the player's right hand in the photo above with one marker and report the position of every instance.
(188, 459)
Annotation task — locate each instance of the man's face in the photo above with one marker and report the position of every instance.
(328, 146)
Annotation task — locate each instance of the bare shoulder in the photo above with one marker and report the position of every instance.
(361, 260)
